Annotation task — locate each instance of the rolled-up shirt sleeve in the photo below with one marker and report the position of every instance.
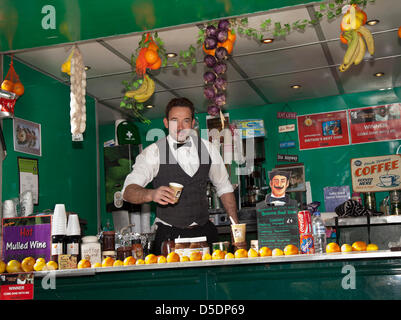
(145, 168)
(218, 174)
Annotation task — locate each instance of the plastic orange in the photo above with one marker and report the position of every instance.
(156, 65)
(228, 45)
(173, 257)
(84, 263)
(290, 249)
(265, 252)
(150, 258)
(332, 247)
(359, 246)
(151, 56)
(7, 85)
(18, 89)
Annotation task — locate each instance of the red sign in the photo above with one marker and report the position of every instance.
(380, 123)
(322, 130)
(16, 286)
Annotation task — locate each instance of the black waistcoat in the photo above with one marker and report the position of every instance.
(192, 205)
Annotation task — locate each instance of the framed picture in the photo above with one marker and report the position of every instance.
(27, 137)
(297, 176)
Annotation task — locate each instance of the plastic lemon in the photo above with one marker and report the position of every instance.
(265, 252)
(241, 253)
(207, 256)
(277, 252)
(97, 265)
(27, 264)
(13, 266)
(229, 256)
(290, 249)
(372, 247)
(108, 262)
(118, 263)
(129, 261)
(173, 257)
(346, 248)
(332, 247)
(252, 253)
(52, 265)
(184, 259)
(84, 263)
(39, 265)
(2, 266)
(161, 259)
(150, 258)
(140, 261)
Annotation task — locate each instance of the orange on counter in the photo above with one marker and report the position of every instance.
(277, 252)
(107, 262)
(195, 256)
(150, 259)
(241, 253)
(118, 263)
(185, 259)
(161, 259)
(84, 263)
(27, 264)
(332, 247)
(359, 246)
(13, 266)
(207, 256)
(173, 257)
(129, 261)
(51, 265)
(97, 265)
(218, 254)
(290, 249)
(2, 266)
(265, 252)
(229, 255)
(140, 261)
(39, 264)
(252, 253)
(346, 248)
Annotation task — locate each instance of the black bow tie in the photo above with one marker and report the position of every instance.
(184, 144)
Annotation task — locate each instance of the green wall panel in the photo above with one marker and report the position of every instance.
(21, 26)
(67, 170)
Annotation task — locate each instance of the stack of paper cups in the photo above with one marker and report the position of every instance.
(135, 218)
(145, 218)
(59, 222)
(9, 210)
(26, 203)
(73, 228)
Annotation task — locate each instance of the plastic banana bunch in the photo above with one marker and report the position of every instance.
(66, 66)
(358, 38)
(144, 92)
(77, 95)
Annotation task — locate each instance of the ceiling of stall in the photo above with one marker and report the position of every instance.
(258, 74)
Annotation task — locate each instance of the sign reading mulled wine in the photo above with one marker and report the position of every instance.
(26, 237)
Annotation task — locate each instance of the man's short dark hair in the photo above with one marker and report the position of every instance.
(274, 173)
(180, 102)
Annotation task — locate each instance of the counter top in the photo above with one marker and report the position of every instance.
(380, 254)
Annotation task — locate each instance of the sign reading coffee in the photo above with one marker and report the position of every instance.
(374, 174)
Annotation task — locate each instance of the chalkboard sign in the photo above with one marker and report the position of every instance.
(277, 226)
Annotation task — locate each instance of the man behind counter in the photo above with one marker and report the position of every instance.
(185, 159)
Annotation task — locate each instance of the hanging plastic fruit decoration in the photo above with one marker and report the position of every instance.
(218, 45)
(356, 36)
(11, 82)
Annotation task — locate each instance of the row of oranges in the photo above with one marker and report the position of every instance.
(28, 264)
(17, 87)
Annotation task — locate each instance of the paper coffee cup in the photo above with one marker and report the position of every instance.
(177, 188)
(73, 227)
(59, 221)
(239, 231)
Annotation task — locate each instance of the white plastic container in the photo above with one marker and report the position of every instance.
(91, 249)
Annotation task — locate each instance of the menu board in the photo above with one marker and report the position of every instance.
(277, 226)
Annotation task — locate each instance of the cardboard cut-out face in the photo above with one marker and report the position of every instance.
(279, 185)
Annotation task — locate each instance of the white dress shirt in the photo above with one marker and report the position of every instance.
(146, 165)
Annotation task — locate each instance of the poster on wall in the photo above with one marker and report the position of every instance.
(372, 124)
(321, 130)
(27, 137)
(375, 174)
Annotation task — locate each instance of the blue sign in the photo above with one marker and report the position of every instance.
(287, 144)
